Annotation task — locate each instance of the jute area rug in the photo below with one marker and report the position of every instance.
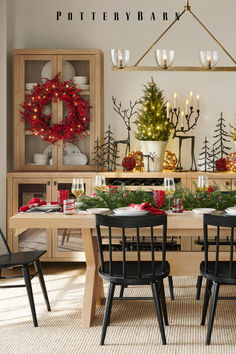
(133, 327)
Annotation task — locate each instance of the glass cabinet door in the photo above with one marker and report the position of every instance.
(35, 153)
(25, 190)
(79, 153)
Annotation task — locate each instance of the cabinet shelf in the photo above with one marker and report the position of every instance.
(82, 93)
(29, 133)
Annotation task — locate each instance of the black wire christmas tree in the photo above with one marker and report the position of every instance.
(109, 151)
(98, 155)
(221, 135)
(205, 156)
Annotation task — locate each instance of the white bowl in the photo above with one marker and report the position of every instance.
(98, 210)
(82, 80)
(83, 87)
(29, 86)
(40, 159)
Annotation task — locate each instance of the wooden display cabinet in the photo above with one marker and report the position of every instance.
(32, 66)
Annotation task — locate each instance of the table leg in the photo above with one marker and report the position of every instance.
(93, 292)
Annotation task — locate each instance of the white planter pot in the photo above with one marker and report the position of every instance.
(157, 147)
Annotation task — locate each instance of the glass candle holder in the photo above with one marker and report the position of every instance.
(208, 59)
(68, 207)
(164, 58)
(120, 57)
(177, 205)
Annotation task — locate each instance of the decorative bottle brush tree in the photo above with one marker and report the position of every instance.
(153, 129)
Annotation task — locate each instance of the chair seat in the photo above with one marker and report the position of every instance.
(223, 272)
(131, 272)
(20, 258)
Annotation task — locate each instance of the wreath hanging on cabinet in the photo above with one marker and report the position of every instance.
(73, 126)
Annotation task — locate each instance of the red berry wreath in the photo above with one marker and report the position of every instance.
(40, 124)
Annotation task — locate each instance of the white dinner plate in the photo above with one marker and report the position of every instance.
(203, 210)
(68, 71)
(48, 207)
(232, 209)
(129, 211)
(98, 210)
(230, 212)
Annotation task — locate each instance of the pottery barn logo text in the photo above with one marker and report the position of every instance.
(115, 16)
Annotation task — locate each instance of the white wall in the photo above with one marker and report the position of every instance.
(35, 26)
(3, 112)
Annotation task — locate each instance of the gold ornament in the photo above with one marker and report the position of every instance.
(170, 161)
(231, 162)
(138, 157)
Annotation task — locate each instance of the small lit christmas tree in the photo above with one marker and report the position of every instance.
(152, 123)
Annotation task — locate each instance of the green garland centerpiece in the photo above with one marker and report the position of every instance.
(119, 196)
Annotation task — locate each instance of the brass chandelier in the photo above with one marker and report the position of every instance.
(165, 58)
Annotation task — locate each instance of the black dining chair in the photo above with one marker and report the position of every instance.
(133, 272)
(23, 260)
(217, 272)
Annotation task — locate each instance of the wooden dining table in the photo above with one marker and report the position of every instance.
(185, 225)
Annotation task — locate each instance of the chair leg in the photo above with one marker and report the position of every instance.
(38, 269)
(171, 287)
(107, 312)
(26, 275)
(161, 289)
(122, 288)
(206, 301)
(158, 310)
(199, 287)
(214, 298)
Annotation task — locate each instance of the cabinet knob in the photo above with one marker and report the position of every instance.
(55, 183)
(227, 183)
(48, 183)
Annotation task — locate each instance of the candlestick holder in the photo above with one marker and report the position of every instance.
(182, 125)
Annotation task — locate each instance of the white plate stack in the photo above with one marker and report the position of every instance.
(231, 211)
(81, 82)
(129, 211)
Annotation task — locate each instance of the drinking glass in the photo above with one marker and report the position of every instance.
(169, 187)
(100, 183)
(203, 183)
(77, 187)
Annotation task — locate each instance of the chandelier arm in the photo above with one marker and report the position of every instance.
(205, 28)
(157, 40)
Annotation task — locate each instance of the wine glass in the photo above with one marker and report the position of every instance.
(169, 187)
(100, 183)
(77, 188)
(203, 183)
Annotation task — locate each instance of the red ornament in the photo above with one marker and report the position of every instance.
(221, 165)
(53, 90)
(128, 163)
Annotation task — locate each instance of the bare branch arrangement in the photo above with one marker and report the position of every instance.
(126, 115)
